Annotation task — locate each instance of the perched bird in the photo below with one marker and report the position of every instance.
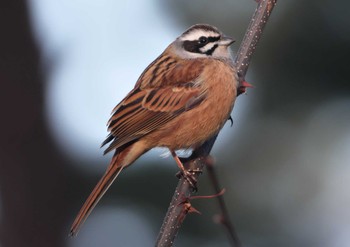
(182, 99)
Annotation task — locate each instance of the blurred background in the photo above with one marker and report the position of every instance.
(285, 163)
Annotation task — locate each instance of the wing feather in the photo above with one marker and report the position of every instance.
(148, 106)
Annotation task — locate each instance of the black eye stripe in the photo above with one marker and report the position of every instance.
(195, 45)
(213, 39)
(192, 46)
(208, 39)
(203, 40)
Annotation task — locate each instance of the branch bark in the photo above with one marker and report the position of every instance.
(180, 205)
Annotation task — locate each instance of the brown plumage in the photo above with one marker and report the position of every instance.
(181, 99)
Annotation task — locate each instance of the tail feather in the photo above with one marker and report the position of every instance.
(100, 189)
(123, 157)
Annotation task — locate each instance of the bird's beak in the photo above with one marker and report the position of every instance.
(226, 41)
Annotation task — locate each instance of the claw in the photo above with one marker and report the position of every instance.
(191, 180)
(189, 177)
(186, 174)
(230, 118)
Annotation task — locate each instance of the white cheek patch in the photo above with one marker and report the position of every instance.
(207, 47)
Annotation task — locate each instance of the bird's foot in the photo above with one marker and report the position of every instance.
(190, 177)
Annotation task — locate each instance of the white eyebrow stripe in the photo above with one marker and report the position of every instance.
(194, 35)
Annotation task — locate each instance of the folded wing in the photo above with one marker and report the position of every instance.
(147, 108)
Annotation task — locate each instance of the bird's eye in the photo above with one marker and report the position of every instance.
(203, 40)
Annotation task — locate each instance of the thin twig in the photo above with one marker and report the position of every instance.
(180, 205)
(223, 218)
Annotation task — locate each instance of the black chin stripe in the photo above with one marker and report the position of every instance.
(211, 50)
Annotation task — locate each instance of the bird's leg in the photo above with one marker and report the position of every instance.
(188, 175)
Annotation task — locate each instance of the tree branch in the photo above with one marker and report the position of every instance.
(253, 34)
(180, 205)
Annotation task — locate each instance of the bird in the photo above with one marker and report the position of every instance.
(182, 99)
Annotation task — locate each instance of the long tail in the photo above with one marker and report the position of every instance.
(119, 161)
